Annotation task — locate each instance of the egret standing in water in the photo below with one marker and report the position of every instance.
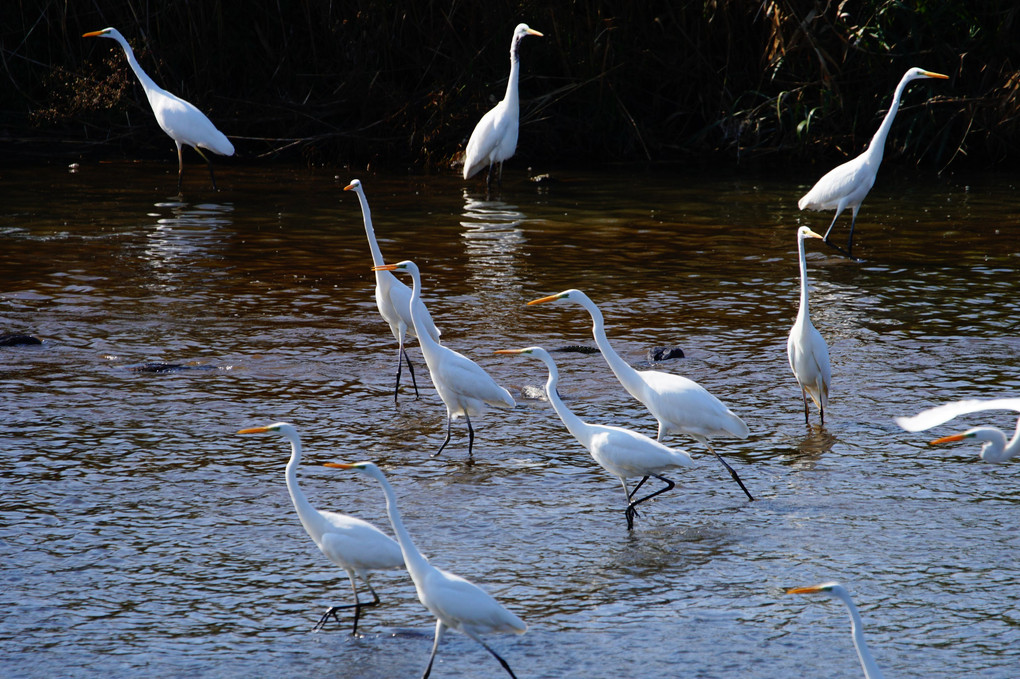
(355, 545)
(462, 384)
(808, 353)
(995, 448)
(679, 404)
(181, 120)
(456, 603)
(393, 297)
(621, 452)
(495, 136)
(848, 184)
(834, 590)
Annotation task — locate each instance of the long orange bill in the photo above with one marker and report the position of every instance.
(936, 75)
(948, 439)
(338, 465)
(385, 267)
(254, 430)
(544, 299)
(804, 590)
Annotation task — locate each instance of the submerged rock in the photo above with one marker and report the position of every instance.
(14, 340)
(664, 353)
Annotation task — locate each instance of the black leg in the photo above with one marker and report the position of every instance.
(730, 469)
(410, 369)
(803, 395)
(180, 167)
(495, 655)
(631, 508)
(850, 240)
(209, 163)
(357, 606)
(435, 647)
(630, 495)
(396, 387)
(449, 423)
(471, 436)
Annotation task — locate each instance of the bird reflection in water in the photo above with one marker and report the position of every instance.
(493, 240)
(184, 239)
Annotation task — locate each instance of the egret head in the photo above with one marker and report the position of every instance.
(566, 295)
(833, 590)
(804, 233)
(105, 33)
(283, 428)
(523, 30)
(406, 265)
(355, 185)
(916, 73)
(367, 468)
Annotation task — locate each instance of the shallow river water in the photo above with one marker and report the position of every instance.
(140, 536)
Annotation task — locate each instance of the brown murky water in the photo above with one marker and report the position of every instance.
(141, 537)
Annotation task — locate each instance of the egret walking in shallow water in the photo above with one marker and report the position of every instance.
(807, 351)
(679, 404)
(848, 184)
(462, 384)
(180, 119)
(621, 452)
(834, 590)
(355, 545)
(494, 138)
(456, 603)
(393, 297)
(995, 447)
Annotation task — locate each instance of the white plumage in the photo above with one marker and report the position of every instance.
(180, 119)
(806, 349)
(494, 138)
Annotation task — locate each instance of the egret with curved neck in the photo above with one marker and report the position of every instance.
(848, 184)
(462, 384)
(494, 138)
(807, 351)
(679, 404)
(354, 545)
(836, 591)
(456, 603)
(996, 447)
(392, 297)
(180, 119)
(621, 452)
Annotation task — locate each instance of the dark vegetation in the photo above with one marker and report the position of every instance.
(401, 84)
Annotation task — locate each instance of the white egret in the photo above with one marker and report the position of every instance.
(808, 353)
(391, 296)
(180, 119)
(494, 138)
(994, 447)
(835, 590)
(848, 184)
(456, 603)
(621, 452)
(679, 404)
(462, 384)
(354, 545)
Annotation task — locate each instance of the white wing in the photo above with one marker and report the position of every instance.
(932, 417)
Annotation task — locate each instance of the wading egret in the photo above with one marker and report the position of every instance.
(679, 404)
(462, 384)
(355, 545)
(621, 452)
(835, 590)
(181, 120)
(391, 296)
(809, 355)
(456, 603)
(495, 136)
(995, 448)
(848, 184)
